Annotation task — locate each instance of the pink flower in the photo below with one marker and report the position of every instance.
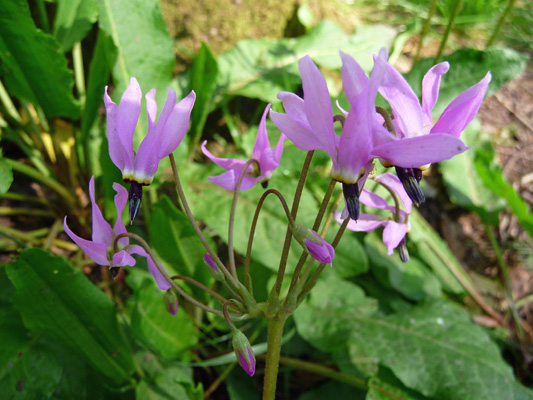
(319, 249)
(100, 248)
(267, 158)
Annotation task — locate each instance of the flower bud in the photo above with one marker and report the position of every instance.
(243, 352)
(171, 301)
(319, 249)
(213, 269)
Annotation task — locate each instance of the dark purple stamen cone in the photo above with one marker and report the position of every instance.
(402, 250)
(410, 178)
(264, 184)
(351, 196)
(113, 271)
(135, 197)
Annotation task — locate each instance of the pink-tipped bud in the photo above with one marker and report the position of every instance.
(171, 301)
(319, 249)
(243, 352)
(215, 271)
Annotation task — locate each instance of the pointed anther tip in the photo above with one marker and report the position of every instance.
(410, 178)
(402, 250)
(113, 271)
(351, 196)
(134, 198)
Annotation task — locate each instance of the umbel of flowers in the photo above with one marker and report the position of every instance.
(405, 138)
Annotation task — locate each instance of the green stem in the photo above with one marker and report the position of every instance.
(43, 16)
(275, 333)
(194, 282)
(500, 23)
(195, 226)
(388, 120)
(456, 8)
(79, 74)
(288, 236)
(231, 253)
(395, 198)
(425, 29)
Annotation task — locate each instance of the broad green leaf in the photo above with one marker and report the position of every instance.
(436, 254)
(144, 46)
(492, 177)
(462, 181)
(176, 243)
(350, 257)
(60, 302)
(468, 67)
(412, 279)
(261, 68)
(326, 318)
(168, 385)
(203, 76)
(73, 21)
(387, 387)
(212, 205)
(102, 62)
(169, 335)
(6, 174)
(33, 66)
(435, 349)
(333, 390)
(240, 387)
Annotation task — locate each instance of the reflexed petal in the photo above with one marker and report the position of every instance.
(371, 199)
(121, 198)
(299, 134)
(176, 125)
(128, 115)
(317, 104)
(151, 108)
(147, 158)
(431, 86)
(403, 101)
(228, 180)
(294, 107)
(395, 184)
(262, 143)
(354, 79)
(365, 223)
(167, 110)
(421, 150)
(96, 251)
(119, 155)
(123, 259)
(462, 109)
(102, 232)
(393, 234)
(160, 280)
(226, 163)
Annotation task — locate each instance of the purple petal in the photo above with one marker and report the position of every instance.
(354, 79)
(160, 280)
(226, 163)
(119, 155)
(262, 143)
(294, 107)
(317, 104)
(371, 199)
(322, 252)
(102, 232)
(431, 86)
(147, 158)
(173, 308)
(365, 222)
(417, 151)
(403, 101)
(395, 184)
(121, 198)
(123, 259)
(151, 108)
(462, 109)
(228, 180)
(127, 117)
(96, 251)
(248, 368)
(299, 134)
(210, 262)
(176, 125)
(393, 234)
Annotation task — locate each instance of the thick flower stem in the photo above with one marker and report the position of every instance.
(275, 333)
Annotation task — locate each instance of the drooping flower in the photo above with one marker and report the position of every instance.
(395, 229)
(419, 141)
(243, 352)
(267, 157)
(100, 249)
(317, 247)
(309, 122)
(171, 301)
(163, 137)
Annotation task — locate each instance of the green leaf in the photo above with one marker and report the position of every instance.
(412, 279)
(435, 349)
(350, 256)
(203, 76)
(468, 67)
(240, 387)
(436, 254)
(60, 302)
(325, 319)
(168, 385)
(260, 68)
(73, 21)
(33, 66)
(170, 335)
(463, 183)
(177, 245)
(492, 177)
(145, 48)
(6, 174)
